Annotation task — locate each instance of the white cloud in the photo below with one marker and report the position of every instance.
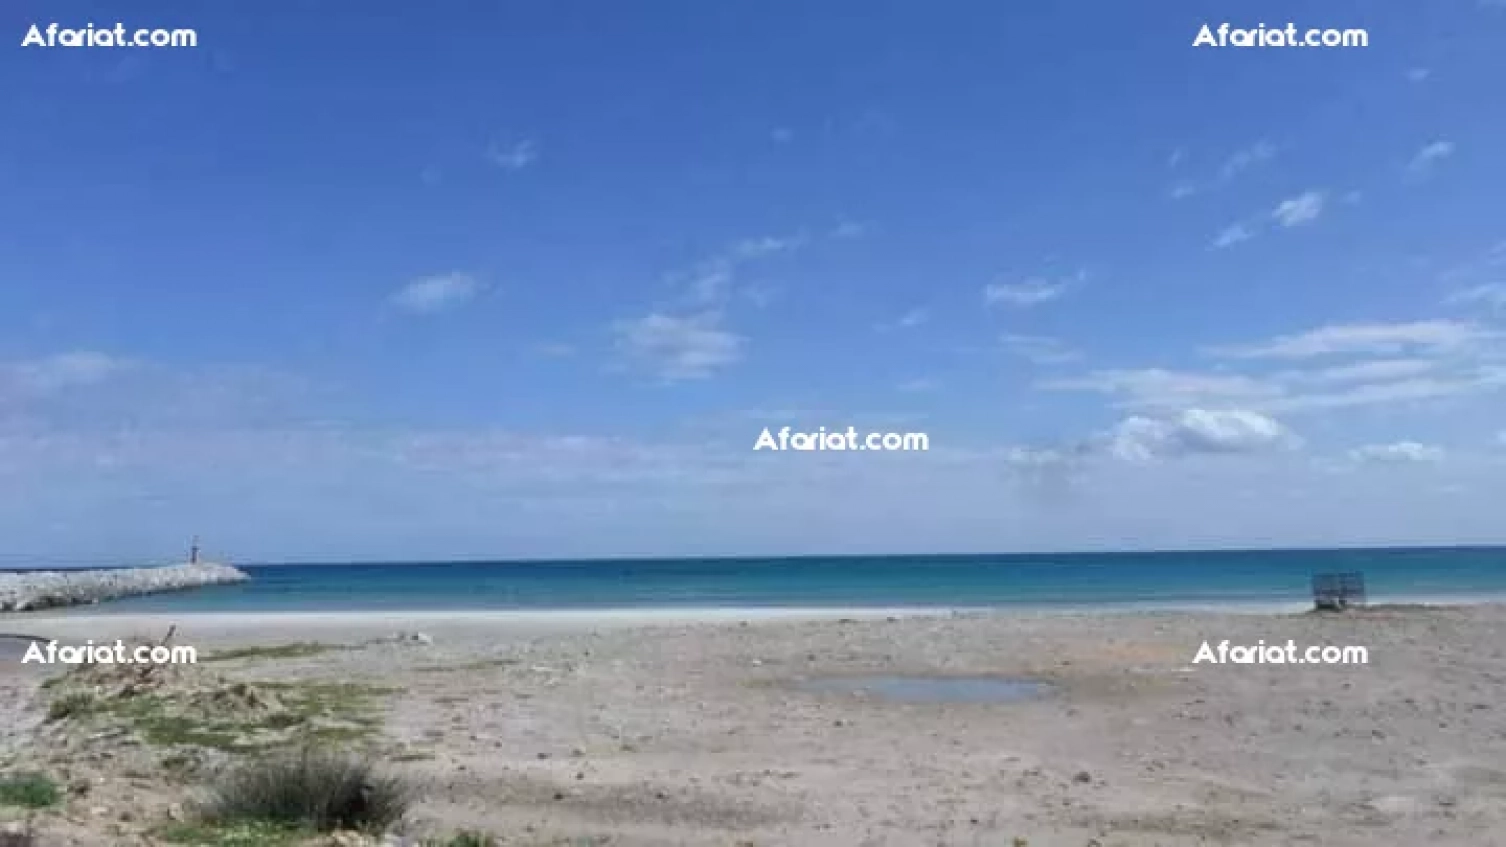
(1304, 208)
(1030, 292)
(679, 348)
(1371, 371)
(781, 135)
(1231, 235)
(436, 293)
(1490, 294)
(713, 282)
(1238, 162)
(1399, 452)
(514, 156)
(1431, 154)
(1477, 380)
(1366, 339)
(850, 229)
(1418, 74)
(1040, 349)
(1163, 389)
(909, 320)
(1244, 159)
(60, 371)
(1198, 431)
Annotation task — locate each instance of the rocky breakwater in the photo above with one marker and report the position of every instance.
(32, 590)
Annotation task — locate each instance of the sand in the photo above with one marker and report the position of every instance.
(635, 729)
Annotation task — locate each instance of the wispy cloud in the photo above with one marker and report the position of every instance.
(1330, 367)
(60, 371)
(1238, 162)
(1418, 74)
(679, 348)
(1400, 452)
(1491, 294)
(908, 320)
(1426, 159)
(1159, 388)
(919, 385)
(1040, 349)
(1231, 235)
(1302, 209)
(1365, 339)
(514, 155)
(712, 282)
(435, 293)
(1246, 158)
(1029, 292)
(850, 229)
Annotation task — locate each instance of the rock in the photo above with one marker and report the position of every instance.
(33, 590)
(1083, 777)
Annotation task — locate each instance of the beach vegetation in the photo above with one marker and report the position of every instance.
(72, 705)
(465, 838)
(237, 834)
(478, 665)
(295, 650)
(29, 791)
(314, 790)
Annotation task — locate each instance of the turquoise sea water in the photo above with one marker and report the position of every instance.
(1149, 580)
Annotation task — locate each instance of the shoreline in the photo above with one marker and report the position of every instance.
(217, 628)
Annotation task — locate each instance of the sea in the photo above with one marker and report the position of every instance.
(1250, 580)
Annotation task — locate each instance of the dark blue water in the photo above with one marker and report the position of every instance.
(1191, 579)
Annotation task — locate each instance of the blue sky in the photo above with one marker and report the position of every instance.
(528, 279)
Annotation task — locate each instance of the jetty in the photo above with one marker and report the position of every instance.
(27, 591)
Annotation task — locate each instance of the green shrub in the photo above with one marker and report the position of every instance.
(76, 704)
(315, 789)
(29, 791)
(467, 838)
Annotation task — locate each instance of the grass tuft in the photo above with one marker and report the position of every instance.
(466, 838)
(240, 834)
(29, 791)
(73, 705)
(314, 790)
(296, 650)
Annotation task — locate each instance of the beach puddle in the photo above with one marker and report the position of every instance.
(931, 689)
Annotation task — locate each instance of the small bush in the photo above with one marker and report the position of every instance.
(466, 838)
(76, 704)
(29, 791)
(315, 789)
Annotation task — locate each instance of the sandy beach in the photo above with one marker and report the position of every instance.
(704, 728)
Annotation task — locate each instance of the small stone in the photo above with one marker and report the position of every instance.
(1083, 777)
